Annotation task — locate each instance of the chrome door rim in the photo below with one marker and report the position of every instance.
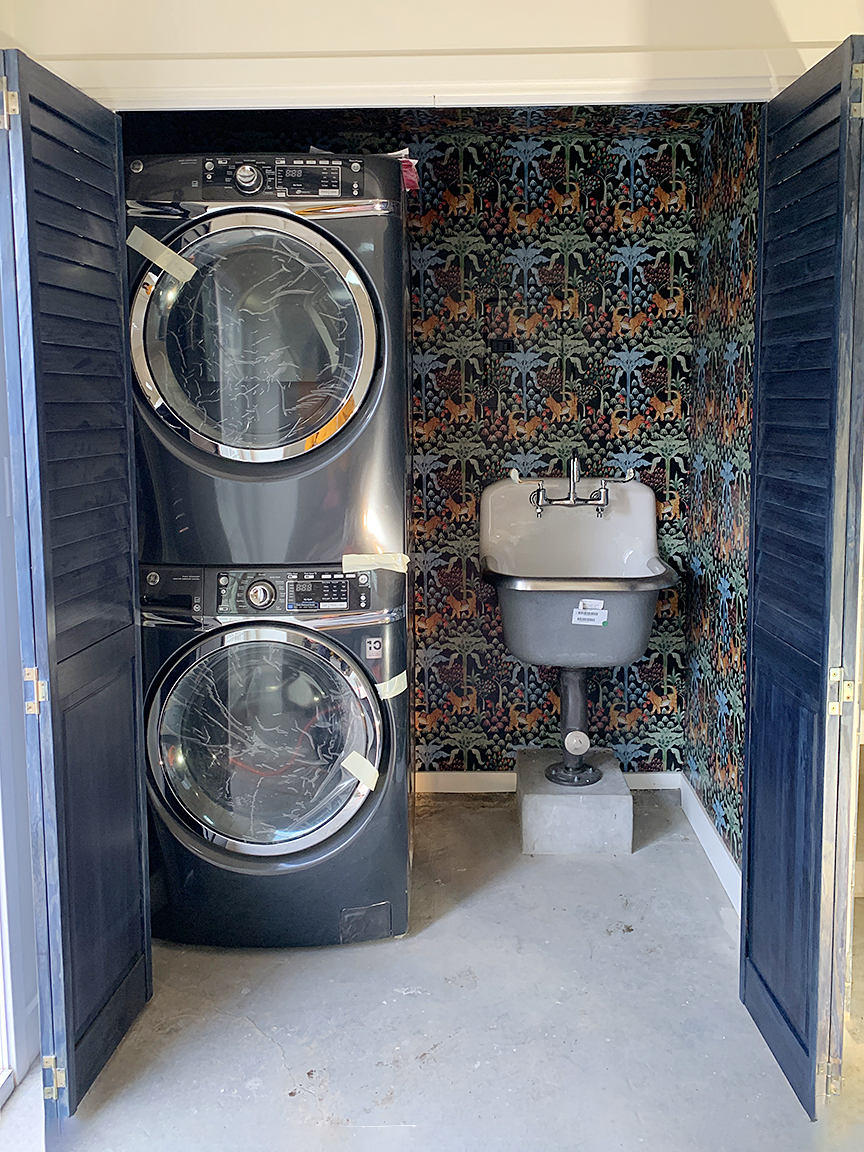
(318, 645)
(274, 222)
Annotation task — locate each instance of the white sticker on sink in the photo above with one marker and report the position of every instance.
(598, 617)
(590, 605)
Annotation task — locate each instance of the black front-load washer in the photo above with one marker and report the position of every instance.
(277, 762)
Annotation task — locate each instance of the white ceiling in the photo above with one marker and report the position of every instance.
(176, 54)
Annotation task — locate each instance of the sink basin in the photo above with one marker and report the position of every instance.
(575, 589)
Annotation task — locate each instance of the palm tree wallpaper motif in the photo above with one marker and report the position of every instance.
(581, 277)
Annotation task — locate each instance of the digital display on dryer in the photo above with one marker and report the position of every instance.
(312, 179)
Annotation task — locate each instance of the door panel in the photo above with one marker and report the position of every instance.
(106, 916)
(74, 513)
(807, 449)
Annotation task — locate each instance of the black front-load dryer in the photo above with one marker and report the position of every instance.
(276, 728)
(269, 355)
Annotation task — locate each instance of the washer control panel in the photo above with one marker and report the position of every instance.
(273, 592)
(179, 591)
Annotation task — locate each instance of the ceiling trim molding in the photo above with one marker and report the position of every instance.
(566, 78)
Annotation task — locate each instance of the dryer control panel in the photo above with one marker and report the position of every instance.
(250, 176)
(304, 177)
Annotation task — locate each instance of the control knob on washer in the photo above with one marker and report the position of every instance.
(261, 594)
(249, 178)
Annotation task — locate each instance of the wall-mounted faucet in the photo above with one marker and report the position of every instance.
(598, 499)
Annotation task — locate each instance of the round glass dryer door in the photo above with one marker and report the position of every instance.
(253, 734)
(266, 349)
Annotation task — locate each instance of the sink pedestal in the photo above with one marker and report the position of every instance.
(574, 771)
(557, 821)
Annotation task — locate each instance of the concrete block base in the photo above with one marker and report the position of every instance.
(558, 820)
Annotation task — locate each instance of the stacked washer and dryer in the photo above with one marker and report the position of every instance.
(268, 324)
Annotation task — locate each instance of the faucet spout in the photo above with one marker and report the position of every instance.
(575, 475)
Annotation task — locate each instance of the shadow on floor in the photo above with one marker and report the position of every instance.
(654, 817)
(463, 842)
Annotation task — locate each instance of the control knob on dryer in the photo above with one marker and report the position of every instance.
(261, 594)
(249, 178)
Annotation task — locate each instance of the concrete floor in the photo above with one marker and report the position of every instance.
(539, 1004)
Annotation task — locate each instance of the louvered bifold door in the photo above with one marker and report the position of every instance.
(807, 454)
(63, 280)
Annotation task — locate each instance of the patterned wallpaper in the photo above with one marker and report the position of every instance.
(717, 526)
(614, 249)
(570, 234)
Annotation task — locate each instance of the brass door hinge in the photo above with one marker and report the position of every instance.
(58, 1078)
(40, 691)
(9, 104)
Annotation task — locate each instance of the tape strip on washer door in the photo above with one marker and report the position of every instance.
(394, 687)
(363, 769)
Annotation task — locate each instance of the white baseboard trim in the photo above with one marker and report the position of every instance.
(7, 1084)
(465, 782)
(506, 781)
(639, 780)
(719, 856)
(721, 859)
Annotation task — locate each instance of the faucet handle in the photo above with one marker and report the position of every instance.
(538, 498)
(629, 475)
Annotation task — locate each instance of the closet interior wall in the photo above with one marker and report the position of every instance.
(609, 253)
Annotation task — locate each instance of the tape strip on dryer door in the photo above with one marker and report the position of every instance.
(363, 769)
(161, 255)
(394, 687)
(366, 561)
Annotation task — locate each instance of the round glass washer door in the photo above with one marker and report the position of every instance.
(267, 348)
(249, 734)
